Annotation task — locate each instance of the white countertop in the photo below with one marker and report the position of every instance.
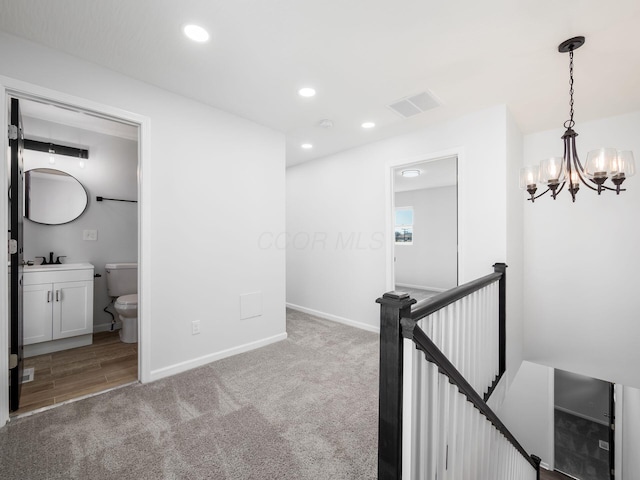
(60, 267)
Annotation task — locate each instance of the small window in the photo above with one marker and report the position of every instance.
(404, 225)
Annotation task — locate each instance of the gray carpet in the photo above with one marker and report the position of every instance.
(418, 294)
(304, 408)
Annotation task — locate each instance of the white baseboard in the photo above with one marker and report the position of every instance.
(212, 357)
(545, 465)
(106, 327)
(43, 348)
(580, 415)
(421, 287)
(335, 318)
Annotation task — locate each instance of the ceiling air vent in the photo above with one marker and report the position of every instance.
(415, 104)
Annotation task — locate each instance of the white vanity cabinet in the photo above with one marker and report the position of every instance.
(58, 304)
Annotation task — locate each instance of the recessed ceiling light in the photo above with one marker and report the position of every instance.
(410, 173)
(307, 92)
(306, 146)
(368, 125)
(196, 33)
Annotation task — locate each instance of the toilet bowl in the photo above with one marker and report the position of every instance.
(127, 308)
(122, 287)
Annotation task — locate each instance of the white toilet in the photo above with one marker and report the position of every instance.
(122, 284)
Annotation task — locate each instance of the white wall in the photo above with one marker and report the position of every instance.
(111, 171)
(214, 182)
(348, 195)
(431, 261)
(583, 396)
(527, 410)
(582, 265)
(515, 245)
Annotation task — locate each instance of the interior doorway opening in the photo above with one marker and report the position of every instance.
(584, 426)
(425, 226)
(59, 368)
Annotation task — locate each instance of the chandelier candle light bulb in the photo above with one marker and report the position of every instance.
(529, 177)
(601, 164)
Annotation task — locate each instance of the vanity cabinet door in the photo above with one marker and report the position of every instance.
(73, 309)
(37, 313)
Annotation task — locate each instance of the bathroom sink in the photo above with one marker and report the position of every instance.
(47, 267)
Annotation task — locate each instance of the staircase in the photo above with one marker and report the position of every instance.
(440, 360)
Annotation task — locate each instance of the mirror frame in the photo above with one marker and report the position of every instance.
(26, 191)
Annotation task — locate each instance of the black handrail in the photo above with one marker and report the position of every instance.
(433, 304)
(397, 314)
(434, 354)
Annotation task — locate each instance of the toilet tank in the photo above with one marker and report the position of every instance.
(122, 278)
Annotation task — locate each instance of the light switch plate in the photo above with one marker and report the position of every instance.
(195, 327)
(91, 235)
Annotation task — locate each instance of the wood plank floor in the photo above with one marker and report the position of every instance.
(68, 374)
(549, 475)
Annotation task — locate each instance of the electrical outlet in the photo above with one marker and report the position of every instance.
(195, 327)
(603, 445)
(91, 235)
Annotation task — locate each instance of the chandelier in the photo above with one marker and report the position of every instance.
(601, 164)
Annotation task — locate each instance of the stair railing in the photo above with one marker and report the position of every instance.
(429, 406)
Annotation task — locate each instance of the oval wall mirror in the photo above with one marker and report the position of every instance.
(53, 197)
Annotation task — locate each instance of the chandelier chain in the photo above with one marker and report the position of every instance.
(570, 123)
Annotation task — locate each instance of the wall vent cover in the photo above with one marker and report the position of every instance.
(415, 104)
(27, 375)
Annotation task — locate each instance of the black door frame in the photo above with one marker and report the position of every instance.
(612, 430)
(17, 254)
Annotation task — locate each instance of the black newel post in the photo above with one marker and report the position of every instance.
(393, 306)
(502, 329)
(537, 461)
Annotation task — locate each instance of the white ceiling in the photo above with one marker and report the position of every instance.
(360, 55)
(433, 174)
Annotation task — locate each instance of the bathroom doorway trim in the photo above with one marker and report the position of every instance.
(10, 87)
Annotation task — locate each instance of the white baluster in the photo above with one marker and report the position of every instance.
(462, 432)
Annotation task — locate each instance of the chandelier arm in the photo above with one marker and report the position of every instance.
(539, 195)
(573, 155)
(586, 181)
(580, 171)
